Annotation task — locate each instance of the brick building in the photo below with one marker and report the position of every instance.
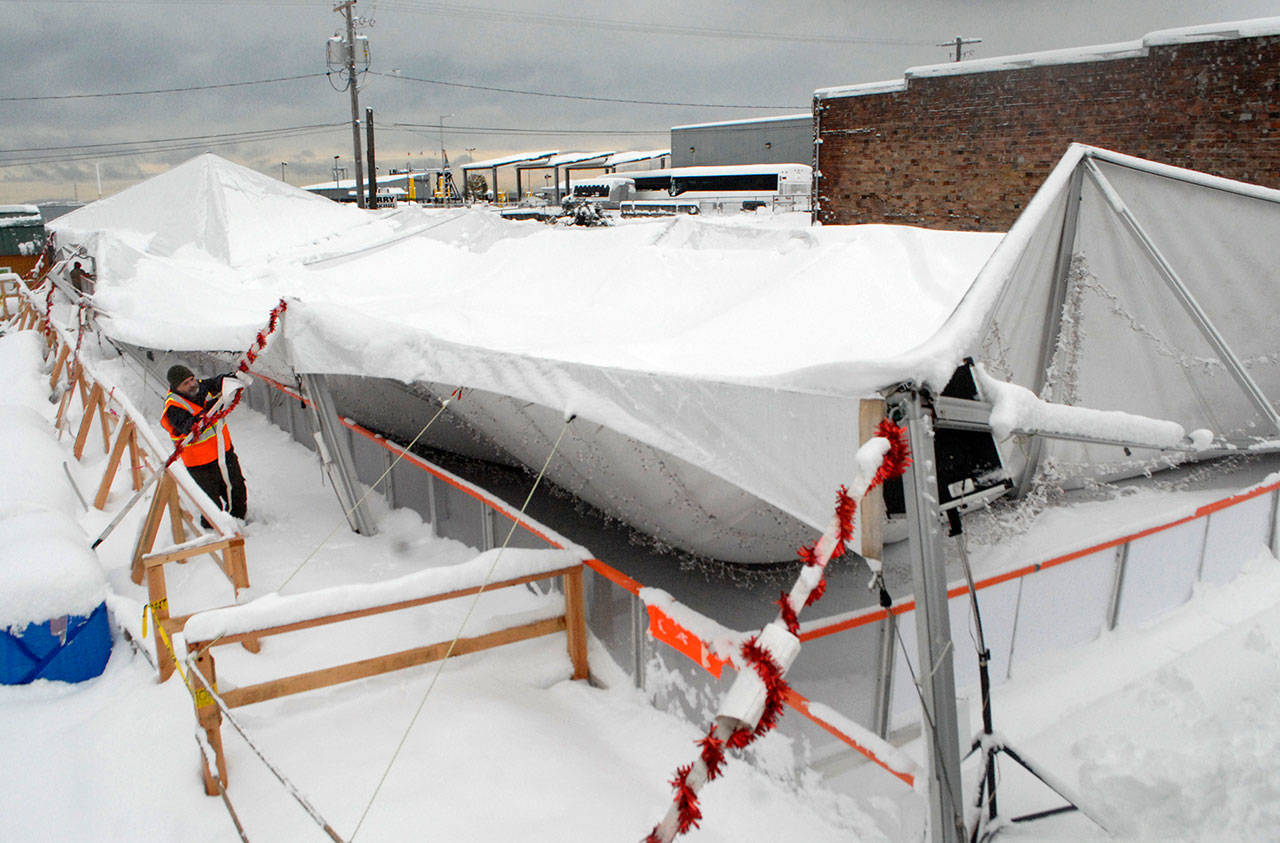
(965, 145)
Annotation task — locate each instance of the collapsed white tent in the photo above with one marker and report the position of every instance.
(1136, 287)
(715, 369)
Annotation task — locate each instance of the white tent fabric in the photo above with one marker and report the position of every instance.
(1164, 276)
(715, 367)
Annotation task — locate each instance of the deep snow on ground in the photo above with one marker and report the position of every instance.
(1164, 730)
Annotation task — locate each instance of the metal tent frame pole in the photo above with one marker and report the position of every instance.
(936, 674)
(1053, 317)
(1188, 301)
(335, 453)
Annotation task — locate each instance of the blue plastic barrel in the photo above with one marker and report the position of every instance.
(71, 648)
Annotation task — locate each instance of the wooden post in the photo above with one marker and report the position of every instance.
(175, 514)
(95, 398)
(63, 406)
(575, 616)
(57, 366)
(871, 511)
(135, 459)
(151, 526)
(210, 717)
(113, 463)
(236, 568)
(158, 601)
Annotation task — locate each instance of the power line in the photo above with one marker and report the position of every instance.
(577, 96)
(500, 130)
(161, 90)
(82, 152)
(538, 18)
(535, 18)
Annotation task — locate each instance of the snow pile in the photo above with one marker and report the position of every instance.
(46, 568)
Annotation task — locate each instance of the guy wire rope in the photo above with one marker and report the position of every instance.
(462, 626)
(443, 406)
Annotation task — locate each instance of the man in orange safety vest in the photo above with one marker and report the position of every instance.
(210, 459)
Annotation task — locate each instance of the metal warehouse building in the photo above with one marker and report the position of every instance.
(769, 140)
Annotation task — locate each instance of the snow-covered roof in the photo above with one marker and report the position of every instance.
(632, 157)
(383, 178)
(1255, 28)
(18, 210)
(785, 118)
(518, 158)
(566, 158)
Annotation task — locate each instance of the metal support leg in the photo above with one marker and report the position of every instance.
(336, 454)
(884, 675)
(936, 673)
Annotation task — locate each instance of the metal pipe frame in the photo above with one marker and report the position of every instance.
(336, 454)
(1053, 318)
(937, 682)
(1188, 301)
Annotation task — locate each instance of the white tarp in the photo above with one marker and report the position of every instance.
(708, 361)
(715, 366)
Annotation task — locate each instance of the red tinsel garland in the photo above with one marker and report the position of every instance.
(688, 813)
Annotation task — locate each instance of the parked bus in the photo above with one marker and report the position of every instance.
(729, 187)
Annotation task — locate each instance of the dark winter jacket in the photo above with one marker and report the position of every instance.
(180, 420)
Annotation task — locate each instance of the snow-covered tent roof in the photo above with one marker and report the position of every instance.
(233, 214)
(716, 364)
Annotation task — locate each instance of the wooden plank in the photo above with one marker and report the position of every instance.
(95, 397)
(113, 464)
(383, 664)
(871, 510)
(151, 560)
(576, 623)
(377, 610)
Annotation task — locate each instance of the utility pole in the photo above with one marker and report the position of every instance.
(959, 44)
(345, 8)
(373, 170)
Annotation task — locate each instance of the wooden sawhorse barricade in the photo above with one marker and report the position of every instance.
(226, 549)
(572, 623)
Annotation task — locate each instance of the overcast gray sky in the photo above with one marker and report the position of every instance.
(755, 57)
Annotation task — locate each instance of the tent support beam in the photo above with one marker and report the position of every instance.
(1053, 318)
(1188, 302)
(935, 670)
(335, 454)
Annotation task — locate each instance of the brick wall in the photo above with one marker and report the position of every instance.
(968, 151)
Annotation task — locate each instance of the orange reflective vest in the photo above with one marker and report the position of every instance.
(204, 449)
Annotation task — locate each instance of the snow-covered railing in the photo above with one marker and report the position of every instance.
(275, 614)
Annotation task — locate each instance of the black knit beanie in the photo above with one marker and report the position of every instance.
(177, 374)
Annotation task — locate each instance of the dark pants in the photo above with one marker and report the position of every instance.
(209, 478)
